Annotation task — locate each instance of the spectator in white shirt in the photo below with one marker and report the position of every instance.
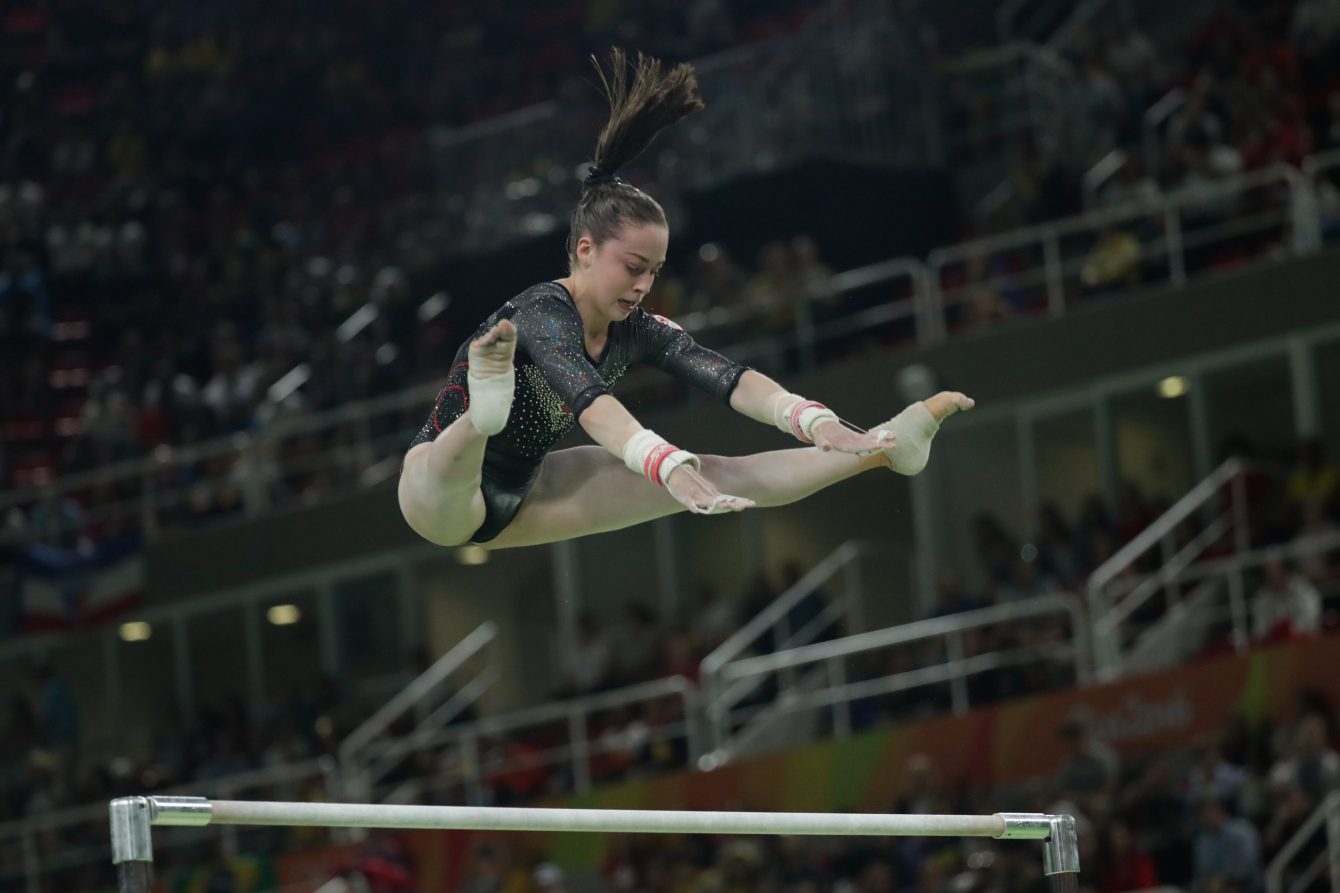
(1285, 605)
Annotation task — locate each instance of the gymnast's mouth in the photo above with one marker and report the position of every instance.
(627, 304)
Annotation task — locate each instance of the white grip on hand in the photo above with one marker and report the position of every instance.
(794, 415)
(647, 453)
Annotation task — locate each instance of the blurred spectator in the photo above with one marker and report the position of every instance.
(1313, 766)
(1212, 775)
(1317, 566)
(714, 617)
(57, 712)
(1286, 605)
(1057, 554)
(587, 667)
(1090, 767)
(953, 597)
(1313, 480)
(994, 548)
(1113, 263)
(1227, 852)
(636, 645)
(1122, 863)
(548, 878)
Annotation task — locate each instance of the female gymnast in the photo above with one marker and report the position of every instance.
(481, 471)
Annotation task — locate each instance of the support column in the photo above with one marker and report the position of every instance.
(1306, 399)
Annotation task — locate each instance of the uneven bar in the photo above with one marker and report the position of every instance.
(362, 815)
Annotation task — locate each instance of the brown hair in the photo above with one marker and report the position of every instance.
(638, 111)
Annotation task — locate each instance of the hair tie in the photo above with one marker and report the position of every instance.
(595, 176)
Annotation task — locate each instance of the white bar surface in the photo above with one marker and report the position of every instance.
(364, 815)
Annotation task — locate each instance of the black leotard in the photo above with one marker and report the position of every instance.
(556, 380)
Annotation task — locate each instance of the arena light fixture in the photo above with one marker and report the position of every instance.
(283, 615)
(1174, 386)
(136, 631)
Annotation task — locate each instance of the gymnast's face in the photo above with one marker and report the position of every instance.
(619, 273)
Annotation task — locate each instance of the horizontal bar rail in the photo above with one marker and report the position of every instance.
(132, 820)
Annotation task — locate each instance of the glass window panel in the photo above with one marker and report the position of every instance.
(290, 637)
(149, 691)
(980, 476)
(371, 642)
(1255, 401)
(1068, 470)
(1154, 453)
(1327, 364)
(218, 651)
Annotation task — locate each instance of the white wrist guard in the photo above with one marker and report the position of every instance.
(649, 454)
(794, 415)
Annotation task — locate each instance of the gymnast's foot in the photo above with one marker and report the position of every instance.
(492, 378)
(914, 427)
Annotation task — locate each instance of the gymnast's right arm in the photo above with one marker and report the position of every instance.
(550, 331)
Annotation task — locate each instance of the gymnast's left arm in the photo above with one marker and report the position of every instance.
(748, 391)
(764, 400)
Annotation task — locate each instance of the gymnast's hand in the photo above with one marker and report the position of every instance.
(833, 435)
(700, 496)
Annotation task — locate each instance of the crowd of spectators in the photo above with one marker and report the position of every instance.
(1259, 87)
(176, 240)
(184, 258)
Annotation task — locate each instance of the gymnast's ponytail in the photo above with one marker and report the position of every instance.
(639, 110)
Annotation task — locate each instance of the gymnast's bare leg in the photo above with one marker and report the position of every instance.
(439, 486)
(586, 490)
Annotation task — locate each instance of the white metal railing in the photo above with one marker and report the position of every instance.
(1211, 595)
(1325, 865)
(465, 763)
(430, 699)
(1052, 255)
(1111, 606)
(770, 630)
(1315, 167)
(517, 173)
(740, 676)
(1155, 117)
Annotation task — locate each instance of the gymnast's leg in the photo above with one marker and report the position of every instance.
(585, 490)
(439, 485)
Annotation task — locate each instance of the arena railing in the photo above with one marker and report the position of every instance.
(1113, 599)
(570, 737)
(1325, 164)
(1046, 262)
(847, 83)
(953, 670)
(431, 700)
(1324, 864)
(770, 629)
(1208, 598)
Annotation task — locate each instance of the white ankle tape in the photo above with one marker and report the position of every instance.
(794, 415)
(647, 453)
(913, 429)
(491, 401)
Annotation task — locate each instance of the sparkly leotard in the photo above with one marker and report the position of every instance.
(556, 380)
